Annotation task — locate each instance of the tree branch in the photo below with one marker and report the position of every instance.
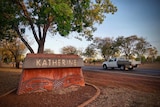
(21, 4)
(46, 26)
(23, 40)
(39, 31)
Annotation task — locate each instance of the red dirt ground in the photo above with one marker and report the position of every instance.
(141, 83)
(117, 90)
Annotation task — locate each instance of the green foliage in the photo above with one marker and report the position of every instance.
(107, 46)
(142, 59)
(90, 52)
(158, 59)
(56, 16)
(64, 18)
(152, 52)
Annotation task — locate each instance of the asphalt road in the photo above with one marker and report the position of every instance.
(137, 71)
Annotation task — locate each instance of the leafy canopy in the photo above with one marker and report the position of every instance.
(56, 16)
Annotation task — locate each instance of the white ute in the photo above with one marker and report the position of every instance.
(121, 63)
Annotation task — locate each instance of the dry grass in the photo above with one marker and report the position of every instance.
(9, 78)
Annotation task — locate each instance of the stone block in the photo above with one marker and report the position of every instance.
(45, 72)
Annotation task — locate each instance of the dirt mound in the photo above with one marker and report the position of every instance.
(69, 97)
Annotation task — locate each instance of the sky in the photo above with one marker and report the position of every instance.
(134, 17)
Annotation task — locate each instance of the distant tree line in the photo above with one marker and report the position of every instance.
(129, 47)
(132, 47)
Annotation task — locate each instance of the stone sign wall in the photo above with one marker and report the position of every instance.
(42, 72)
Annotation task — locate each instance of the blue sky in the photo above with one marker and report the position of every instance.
(134, 17)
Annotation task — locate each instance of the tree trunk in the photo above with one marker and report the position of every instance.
(41, 47)
(16, 61)
(17, 64)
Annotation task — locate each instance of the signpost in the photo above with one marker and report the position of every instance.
(43, 72)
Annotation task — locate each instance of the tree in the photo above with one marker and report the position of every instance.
(6, 56)
(152, 52)
(135, 46)
(12, 50)
(106, 45)
(127, 45)
(69, 50)
(48, 51)
(90, 51)
(141, 47)
(158, 59)
(56, 16)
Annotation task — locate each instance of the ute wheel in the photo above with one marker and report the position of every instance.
(122, 67)
(131, 68)
(104, 66)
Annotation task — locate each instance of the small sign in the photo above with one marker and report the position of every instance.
(52, 62)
